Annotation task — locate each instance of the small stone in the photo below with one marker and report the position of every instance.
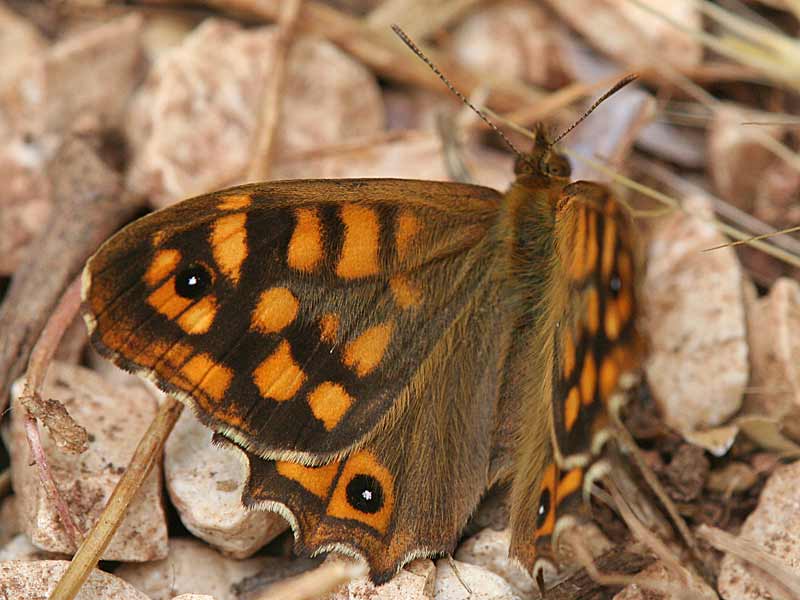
(774, 527)
(685, 585)
(772, 324)
(52, 94)
(190, 567)
(517, 40)
(37, 579)
(415, 581)
(738, 161)
(115, 418)
(194, 122)
(20, 42)
(635, 28)
(205, 484)
(9, 519)
(489, 549)
(397, 154)
(20, 548)
(483, 584)
(693, 305)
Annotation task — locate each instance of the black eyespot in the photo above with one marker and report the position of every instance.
(615, 285)
(364, 493)
(544, 508)
(193, 282)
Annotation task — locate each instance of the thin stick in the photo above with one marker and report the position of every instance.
(52, 413)
(773, 572)
(316, 583)
(755, 238)
(272, 96)
(144, 457)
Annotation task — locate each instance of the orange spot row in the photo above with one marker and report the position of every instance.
(235, 202)
(359, 257)
(207, 375)
(305, 246)
(316, 480)
(329, 328)
(329, 402)
(406, 293)
(162, 266)
(229, 244)
(278, 376)
(407, 227)
(365, 352)
(277, 308)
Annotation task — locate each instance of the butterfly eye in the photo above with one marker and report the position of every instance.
(544, 509)
(364, 493)
(193, 282)
(557, 165)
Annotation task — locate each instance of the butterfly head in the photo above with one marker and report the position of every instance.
(542, 163)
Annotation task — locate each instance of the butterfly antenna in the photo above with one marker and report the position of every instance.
(415, 49)
(617, 87)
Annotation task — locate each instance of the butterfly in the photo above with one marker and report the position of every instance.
(383, 350)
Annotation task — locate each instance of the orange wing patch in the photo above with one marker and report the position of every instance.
(229, 244)
(365, 352)
(588, 378)
(279, 376)
(359, 256)
(207, 375)
(609, 244)
(235, 202)
(568, 351)
(407, 227)
(167, 301)
(569, 484)
(329, 402)
(277, 308)
(316, 480)
(364, 492)
(305, 247)
(406, 294)
(198, 318)
(592, 310)
(609, 374)
(572, 407)
(329, 328)
(161, 267)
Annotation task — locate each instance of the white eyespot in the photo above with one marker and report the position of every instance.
(541, 509)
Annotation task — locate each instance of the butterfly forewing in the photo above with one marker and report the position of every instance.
(291, 315)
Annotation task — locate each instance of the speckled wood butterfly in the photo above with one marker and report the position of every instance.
(384, 350)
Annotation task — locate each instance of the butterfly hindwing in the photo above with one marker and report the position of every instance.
(593, 342)
(291, 315)
(409, 490)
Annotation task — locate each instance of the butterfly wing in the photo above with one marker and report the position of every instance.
(408, 491)
(593, 343)
(292, 315)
